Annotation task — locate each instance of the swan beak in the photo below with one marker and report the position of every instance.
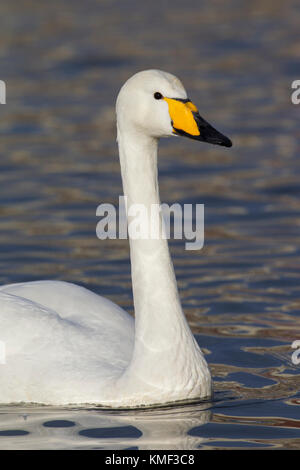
(186, 121)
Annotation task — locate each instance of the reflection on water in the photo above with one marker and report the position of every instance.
(59, 162)
(227, 422)
(51, 428)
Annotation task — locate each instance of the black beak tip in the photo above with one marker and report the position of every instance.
(209, 134)
(226, 142)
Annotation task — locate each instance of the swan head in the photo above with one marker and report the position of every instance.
(155, 103)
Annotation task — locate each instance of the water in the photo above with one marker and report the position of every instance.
(63, 65)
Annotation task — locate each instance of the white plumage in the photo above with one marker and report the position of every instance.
(65, 344)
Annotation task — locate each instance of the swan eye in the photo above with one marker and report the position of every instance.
(158, 96)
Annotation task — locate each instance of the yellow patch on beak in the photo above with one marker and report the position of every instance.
(182, 117)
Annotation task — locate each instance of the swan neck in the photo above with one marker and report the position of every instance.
(156, 300)
(165, 354)
(138, 159)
